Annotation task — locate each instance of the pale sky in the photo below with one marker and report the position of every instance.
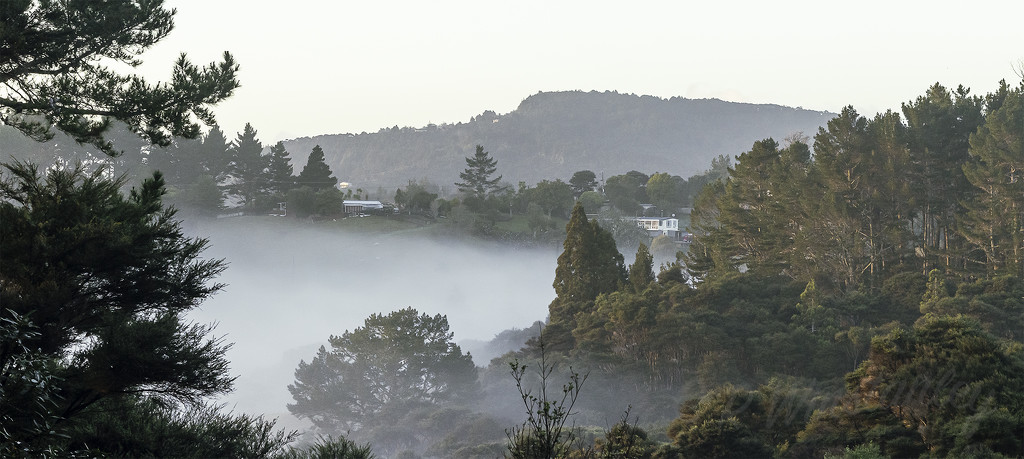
(311, 67)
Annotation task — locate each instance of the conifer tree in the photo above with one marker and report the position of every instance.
(749, 209)
(476, 179)
(588, 266)
(994, 220)
(215, 154)
(641, 272)
(97, 285)
(939, 127)
(247, 168)
(711, 249)
(279, 170)
(56, 74)
(316, 174)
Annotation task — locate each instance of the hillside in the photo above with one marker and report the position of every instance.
(551, 135)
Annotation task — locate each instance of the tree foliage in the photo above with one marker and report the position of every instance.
(880, 196)
(378, 372)
(954, 385)
(582, 182)
(588, 266)
(279, 170)
(476, 178)
(316, 174)
(54, 73)
(95, 285)
(246, 168)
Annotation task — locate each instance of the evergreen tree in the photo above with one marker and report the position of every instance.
(476, 179)
(939, 127)
(588, 266)
(994, 220)
(279, 170)
(641, 272)
(860, 167)
(836, 239)
(750, 210)
(711, 249)
(56, 68)
(959, 387)
(97, 285)
(247, 168)
(316, 174)
(215, 154)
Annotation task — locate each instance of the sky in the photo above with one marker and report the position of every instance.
(311, 67)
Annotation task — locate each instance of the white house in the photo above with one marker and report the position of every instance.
(655, 226)
(355, 207)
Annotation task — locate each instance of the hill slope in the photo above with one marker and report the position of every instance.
(552, 135)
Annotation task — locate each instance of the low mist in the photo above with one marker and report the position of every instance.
(291, 285)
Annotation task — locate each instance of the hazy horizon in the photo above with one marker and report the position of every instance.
(330, 68)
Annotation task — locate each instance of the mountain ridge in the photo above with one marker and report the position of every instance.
(551, 135)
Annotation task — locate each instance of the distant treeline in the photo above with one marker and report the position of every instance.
(552, 135)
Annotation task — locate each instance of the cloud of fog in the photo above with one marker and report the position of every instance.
(291, 286)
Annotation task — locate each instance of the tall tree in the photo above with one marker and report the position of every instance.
(215, 154)
(994, 220)
(279, 170)
(316, 174)
(588, 266)
(711, 250)
(95, 285)
(476, 179)
(247, 168)
(862, 226)
(750, 210)
(939, 126)
(55, 74)
(99, 284)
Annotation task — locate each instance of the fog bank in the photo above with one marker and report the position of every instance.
(291, 285)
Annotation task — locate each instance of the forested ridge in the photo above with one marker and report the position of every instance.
(553, 134)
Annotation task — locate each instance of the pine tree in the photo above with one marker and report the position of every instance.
(476, 179)
(939, 127)
(711, 249)
(247, 168)
(749, 209)
(215, 154)
(994, 220)
(279, 170)
(316, 174)
(641, 272)
(55, 68)
(98, 285)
